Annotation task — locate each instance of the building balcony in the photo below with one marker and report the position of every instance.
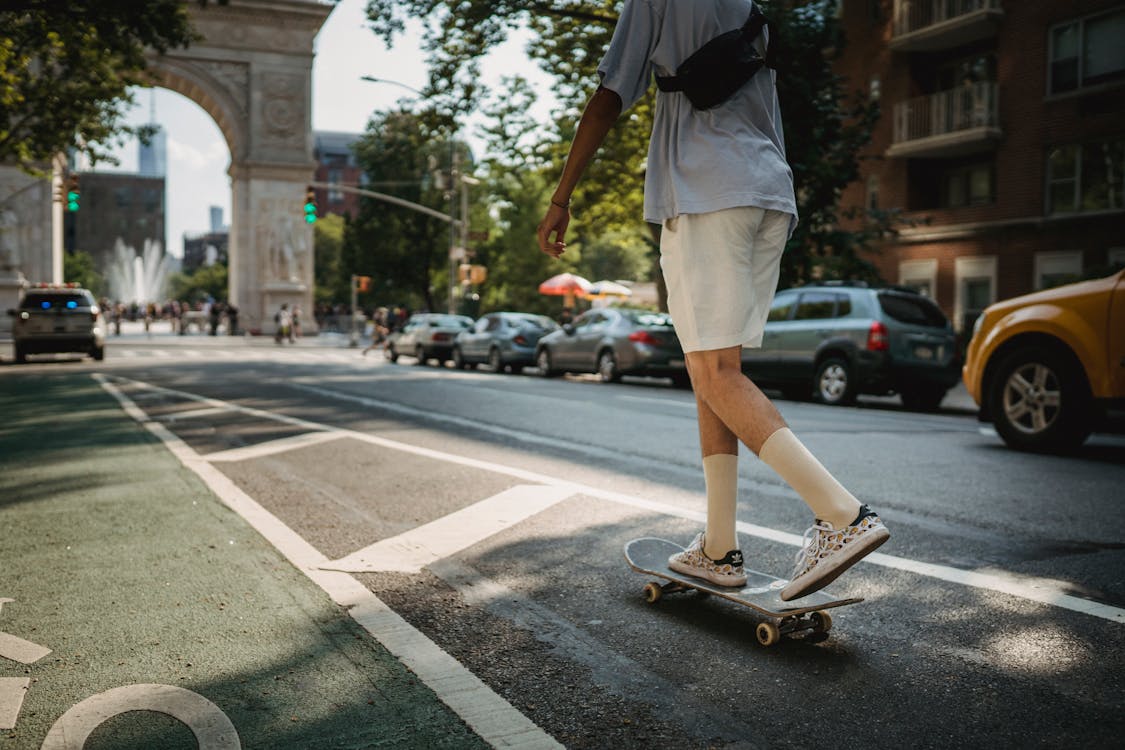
(946, 124)
(928, 25)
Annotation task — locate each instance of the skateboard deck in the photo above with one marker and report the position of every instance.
(761, 593)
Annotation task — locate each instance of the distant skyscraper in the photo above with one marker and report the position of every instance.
(153, 155)
(216, 218)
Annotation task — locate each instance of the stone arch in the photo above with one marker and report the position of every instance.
(251, 70)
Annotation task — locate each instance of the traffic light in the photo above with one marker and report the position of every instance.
(73, 194)
(310, 205)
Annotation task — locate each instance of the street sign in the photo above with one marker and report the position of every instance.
(456, 253)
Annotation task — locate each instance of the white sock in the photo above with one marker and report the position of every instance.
(721, 473)
(793, 462)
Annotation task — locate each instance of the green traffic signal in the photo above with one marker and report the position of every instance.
(72, 200)
(310, 213)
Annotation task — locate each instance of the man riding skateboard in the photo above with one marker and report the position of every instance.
(718, 183)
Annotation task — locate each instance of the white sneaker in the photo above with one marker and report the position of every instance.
(694, 562)
(828, 552)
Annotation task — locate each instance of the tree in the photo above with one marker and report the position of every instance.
(404, 250)
(206, 282)
(78, 268)
(66, 69)
(328, 245)
(825, 127)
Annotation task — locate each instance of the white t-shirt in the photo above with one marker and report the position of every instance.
(699, 161)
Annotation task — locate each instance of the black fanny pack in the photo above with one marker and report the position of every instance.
(718, 69)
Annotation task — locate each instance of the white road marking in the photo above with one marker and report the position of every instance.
(488, 714)
(281, 445)
(12, 691)
(212, 728)
(17, 649)
(1045, 591)
(415, 549)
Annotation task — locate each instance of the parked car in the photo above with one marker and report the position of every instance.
(613, 342)
(57, 318)
(427, 336)
(1044, 367)
(502, 339)
(835, 342)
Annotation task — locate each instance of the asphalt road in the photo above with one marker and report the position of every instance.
(994, 616)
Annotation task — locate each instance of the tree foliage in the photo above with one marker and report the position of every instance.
(66, 69)
(205, 282)
(403, 250)
(78, 268)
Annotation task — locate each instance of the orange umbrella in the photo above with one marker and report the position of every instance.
(565, 285)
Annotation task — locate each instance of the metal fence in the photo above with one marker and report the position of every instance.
(912, 15)
(973, 105)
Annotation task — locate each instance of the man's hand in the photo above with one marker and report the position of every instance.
(552, 230)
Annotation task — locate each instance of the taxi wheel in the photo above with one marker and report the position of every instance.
(1040, 401)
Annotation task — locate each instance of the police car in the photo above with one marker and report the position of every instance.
(58, 318)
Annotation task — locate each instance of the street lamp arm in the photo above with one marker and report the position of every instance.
(388, 199)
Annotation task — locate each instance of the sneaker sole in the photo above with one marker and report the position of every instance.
(703, 576)
(833, 570)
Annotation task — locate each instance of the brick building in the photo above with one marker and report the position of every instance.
(1002, 133)
(336, 162)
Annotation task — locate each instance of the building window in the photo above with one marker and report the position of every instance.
(123, 197)
(873, 193)
(1087, 52)
(967, 186)
(1057, 268)
(1086, 177)
(919, 275)
(335, 176)
(876, 89)
(976, 288)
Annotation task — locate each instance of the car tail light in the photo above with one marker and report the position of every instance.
(877, 340)
(521, 340)
(644, 337)
(442, 337)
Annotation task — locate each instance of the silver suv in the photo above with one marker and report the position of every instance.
(836, 341)
(57, 318)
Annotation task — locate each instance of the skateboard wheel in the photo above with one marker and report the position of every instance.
(822, 621)
(653, 592)
(768, 633)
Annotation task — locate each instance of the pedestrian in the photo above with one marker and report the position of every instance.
(718, 183)
(284, 322)
(295, 327)
(566, 316)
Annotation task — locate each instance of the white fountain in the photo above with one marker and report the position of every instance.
(142, 277)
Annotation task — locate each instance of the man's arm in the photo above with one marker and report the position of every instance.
(600, 114)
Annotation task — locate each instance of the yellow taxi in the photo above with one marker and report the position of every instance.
(1044, 366)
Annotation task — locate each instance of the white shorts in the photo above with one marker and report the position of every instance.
(721, 270)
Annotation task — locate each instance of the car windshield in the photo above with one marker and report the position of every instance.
(542, 322)
(914, 310)
(41, 301)
(645, 318)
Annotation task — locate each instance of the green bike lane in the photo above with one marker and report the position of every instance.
(132, 572)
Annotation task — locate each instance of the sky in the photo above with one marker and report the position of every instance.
(198, 157)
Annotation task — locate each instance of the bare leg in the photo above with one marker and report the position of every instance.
(733, 403)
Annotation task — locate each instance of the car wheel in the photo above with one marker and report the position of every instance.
(390, 353)
(494, 360)
(833, 383)
(21, 355)
(419, 355)
(922, 397)
(1040, 401)
(459, 362)
(98, 353)
(607, 367)
(543, 362)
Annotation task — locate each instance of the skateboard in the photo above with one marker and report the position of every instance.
(762, 593)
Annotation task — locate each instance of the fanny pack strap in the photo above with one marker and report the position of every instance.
(750, 31)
